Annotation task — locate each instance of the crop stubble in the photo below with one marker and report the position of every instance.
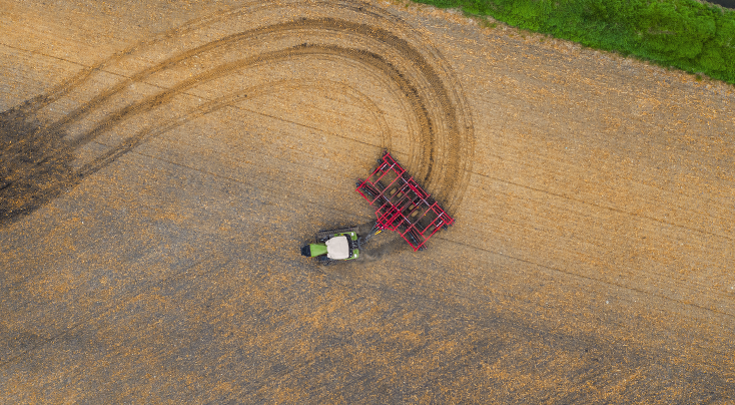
(493, 312)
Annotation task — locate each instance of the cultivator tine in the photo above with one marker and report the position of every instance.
(402, 205)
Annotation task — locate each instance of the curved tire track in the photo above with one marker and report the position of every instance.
(442, 144)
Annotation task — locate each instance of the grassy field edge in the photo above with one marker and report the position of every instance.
(695, 37)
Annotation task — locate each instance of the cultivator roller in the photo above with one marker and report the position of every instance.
(402, 204)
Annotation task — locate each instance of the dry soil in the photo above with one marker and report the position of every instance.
(162, 162)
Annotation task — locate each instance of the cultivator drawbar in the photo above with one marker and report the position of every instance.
(402, 205)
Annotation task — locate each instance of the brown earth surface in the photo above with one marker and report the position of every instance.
(162, 163)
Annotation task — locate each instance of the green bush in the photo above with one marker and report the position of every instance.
(682, 33)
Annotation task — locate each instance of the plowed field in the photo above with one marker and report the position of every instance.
(163, 162)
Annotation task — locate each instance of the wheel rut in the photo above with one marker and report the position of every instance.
(441, 142)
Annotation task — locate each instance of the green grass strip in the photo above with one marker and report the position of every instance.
(686, 34)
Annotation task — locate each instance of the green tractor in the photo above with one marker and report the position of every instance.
(336, 245)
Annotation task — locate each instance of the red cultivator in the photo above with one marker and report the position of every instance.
(402, 205)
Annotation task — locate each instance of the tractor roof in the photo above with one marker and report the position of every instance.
(338, 248)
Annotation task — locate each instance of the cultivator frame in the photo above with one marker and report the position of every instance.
(402, 204)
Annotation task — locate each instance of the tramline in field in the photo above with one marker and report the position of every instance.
(402, 206)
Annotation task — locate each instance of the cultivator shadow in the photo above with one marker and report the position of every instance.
(402, 205)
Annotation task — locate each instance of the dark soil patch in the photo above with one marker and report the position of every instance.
(34, 164)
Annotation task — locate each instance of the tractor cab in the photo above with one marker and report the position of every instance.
(341, 244)
(338, 248)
